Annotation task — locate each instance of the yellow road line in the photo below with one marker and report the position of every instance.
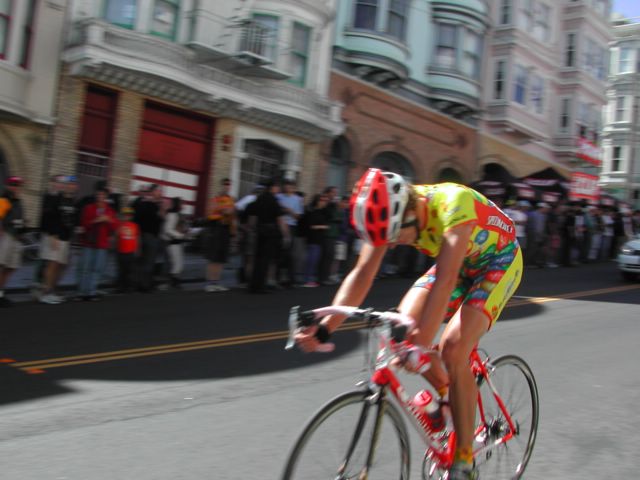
(38, 365)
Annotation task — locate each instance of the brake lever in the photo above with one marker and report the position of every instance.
(293, 326)
(304, 319)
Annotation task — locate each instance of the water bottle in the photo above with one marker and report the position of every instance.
(429, 410)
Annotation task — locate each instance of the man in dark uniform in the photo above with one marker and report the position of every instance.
(269, 228)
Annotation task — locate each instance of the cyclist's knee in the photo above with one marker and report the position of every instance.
(455, 355)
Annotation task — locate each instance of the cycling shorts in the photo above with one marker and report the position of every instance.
(485, 285)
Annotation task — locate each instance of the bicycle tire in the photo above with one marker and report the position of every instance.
(504, 461)
(336, 420)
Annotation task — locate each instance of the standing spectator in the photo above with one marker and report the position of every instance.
(597, 229)
(59, 222)
(246, 237)
(538, 235)
(149, 217)
(627, 225)
(98, 221)
(266, 218)
(316, 220)
(582, 235)
(553, 234)
(55, 186)
(517, 211)
(567, 232)
(607, 234)
(327, 262)
(636, 222)
(618, 233)
(128, 248)
(221, 226)
(174, 231)
(11, 228)
(293, 207)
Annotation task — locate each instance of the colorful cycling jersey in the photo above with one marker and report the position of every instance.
(449, 205)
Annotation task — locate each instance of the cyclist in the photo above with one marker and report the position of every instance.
(478, 266)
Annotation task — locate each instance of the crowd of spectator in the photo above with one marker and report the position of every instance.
(280, 238)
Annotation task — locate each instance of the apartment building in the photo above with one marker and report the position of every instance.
(408, 73)
(30, 43)
(620, 175)
(184, 93)
(545, 86)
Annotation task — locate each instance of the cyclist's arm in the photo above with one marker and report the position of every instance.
(449, 261)
(356, 285)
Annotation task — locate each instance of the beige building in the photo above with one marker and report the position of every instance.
(30, 44)
(545, 83)
(185, 93)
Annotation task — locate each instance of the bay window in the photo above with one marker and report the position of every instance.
(446, 46)
(300, 53)
(5, 23)
(397, 19)
(121, 12)
(520, 82)
(366, 14)
(27, 34)
(165, 18)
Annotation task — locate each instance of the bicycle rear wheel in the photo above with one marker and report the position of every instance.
(516, 386)
(349, 436)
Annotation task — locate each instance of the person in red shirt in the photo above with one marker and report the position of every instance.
(99, 222)
(128, 247)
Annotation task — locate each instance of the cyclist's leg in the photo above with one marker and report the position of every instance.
(413, 305)
(462, 334)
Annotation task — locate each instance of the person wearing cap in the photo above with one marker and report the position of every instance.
(128, 248)
(58, 224)
(11, 228)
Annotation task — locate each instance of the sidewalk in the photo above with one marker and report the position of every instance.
(194, 272)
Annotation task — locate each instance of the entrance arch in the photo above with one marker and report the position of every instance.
(449, 175)
(394, 162)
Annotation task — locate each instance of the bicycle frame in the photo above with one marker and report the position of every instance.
(383, 378)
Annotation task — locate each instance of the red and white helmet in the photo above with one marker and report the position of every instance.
(377, 206)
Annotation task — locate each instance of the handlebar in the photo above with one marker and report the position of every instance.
(400, 323)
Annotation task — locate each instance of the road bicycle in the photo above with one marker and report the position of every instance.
(361, 434)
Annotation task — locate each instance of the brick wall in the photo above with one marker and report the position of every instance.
(378, 121)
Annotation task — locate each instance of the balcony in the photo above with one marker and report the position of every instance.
(247, 48)
(13, 93)
(514, 121)
(156, 68)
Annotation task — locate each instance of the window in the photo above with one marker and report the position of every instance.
(121, 12)
(527, 16)
(300, 53)
(366, 14)
(620, 114)
(505, 12)
(616, 159)
(499, 80)
(165, 18)
(446, 46)
(472, 54)
(397, 19)
(262, 38)
(520, 84)
(537, 93)
(570, 53)
(565, 114)
(624, 64)
(5, 21)
(602, 7)
(27, 32)
(541, 30)
(594, 59)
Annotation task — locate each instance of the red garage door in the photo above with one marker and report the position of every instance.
(175, 147)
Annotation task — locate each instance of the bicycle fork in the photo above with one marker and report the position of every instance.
(374, 400)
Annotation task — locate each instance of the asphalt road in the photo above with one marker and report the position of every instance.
(194, 386)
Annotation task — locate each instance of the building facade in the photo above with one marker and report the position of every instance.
(620, 175)
(184, 93)
(545, 86)
(30, 44)
(408, 74)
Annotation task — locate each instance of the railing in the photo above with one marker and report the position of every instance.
(255, 39)
(135, 45)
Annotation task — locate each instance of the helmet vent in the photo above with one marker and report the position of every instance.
(370, 216)
(396, 208)
(375, 197)
(396, 188)
(383, 234)
(383, 214)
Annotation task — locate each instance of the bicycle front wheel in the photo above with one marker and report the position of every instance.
(516, 387)
(353, 436)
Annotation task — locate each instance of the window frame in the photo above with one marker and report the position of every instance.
(391, 13)
(518, 87)
(476, 57)
(500, 77)
(298, 54)
(177, 4)
(536, 102)
(132, 26)
(628, 61)
(371, 4)
(271, 46)
(565, 114)
(571, 50)
(542, 21)
(441, 45)
(505, 12)
(28, 31)
(619, 160)
(6, 18)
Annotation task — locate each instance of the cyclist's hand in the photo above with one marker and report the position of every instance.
(413, 359)
(306, 339)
